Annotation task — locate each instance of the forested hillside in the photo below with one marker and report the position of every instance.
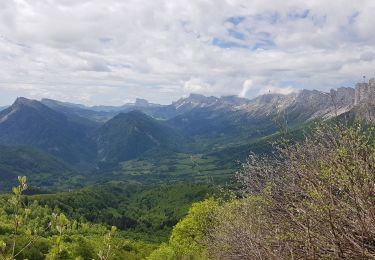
(282, 206)
(311, 200)
(78, 224)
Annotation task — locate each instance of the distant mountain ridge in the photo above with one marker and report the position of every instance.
(301, 105)
(142, 135)
(29, 122)
(195, 115)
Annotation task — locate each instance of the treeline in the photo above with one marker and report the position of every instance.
(309, 200)
(142, 211)
(77, 225)
(32, 231)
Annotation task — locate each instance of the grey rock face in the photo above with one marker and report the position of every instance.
(304, 105)
(142, 102)
(343, 96)
(365, 92)
(361, 90)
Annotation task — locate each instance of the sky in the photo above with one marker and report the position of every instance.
(112, 52)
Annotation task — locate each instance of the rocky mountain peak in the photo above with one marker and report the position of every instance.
(141, 102)
(21, 101)
(234, 100)
(343, 96)
(193, 101)
(268, 98)
(365, 92)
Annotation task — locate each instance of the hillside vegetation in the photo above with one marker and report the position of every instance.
(78, 224)
(310, 200)
(43, 169)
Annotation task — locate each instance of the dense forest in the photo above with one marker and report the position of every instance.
(309, 199)
(125, 221)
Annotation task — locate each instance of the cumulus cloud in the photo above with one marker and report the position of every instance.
(196, 86)
(247, 85)
(277, 90)
(104, 52)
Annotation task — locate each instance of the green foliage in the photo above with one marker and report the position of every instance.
(32, 231)
(146, 212)
(175, 167)
(311, 200)
(165, 251)
(186, 241)
(43, 170)
(107, 250)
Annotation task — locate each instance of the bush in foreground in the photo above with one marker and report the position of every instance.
(310, 200)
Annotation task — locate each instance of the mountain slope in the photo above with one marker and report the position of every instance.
(304, 105)
(143, 209)
(78, 112)
(298, 107)
(211, 117)
(43, 170)
(29, 122)
(127, 136)
(104, 113)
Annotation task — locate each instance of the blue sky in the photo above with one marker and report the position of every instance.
(111, 52)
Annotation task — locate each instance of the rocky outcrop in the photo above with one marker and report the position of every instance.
(365, 92)
(298, 106)
(141, 102)
(343, 96)
(304, 105)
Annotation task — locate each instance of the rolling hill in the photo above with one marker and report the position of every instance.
(130, 135)
(43, 170)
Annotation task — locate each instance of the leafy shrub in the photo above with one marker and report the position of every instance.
(310, 200)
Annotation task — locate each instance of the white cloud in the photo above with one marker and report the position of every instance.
(95, 51)
(196, 86)
(277, 90)
(247, 85)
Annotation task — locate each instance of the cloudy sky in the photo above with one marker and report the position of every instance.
(110, 52)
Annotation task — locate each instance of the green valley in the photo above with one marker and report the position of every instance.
(165, 182)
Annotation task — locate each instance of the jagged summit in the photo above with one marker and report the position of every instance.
(21, 101)
(196, 98)
(365, 92)
(54, 103)
(19, 105)
(310, 103)
(141, 102)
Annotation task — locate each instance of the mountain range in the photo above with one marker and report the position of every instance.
(142, 140)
